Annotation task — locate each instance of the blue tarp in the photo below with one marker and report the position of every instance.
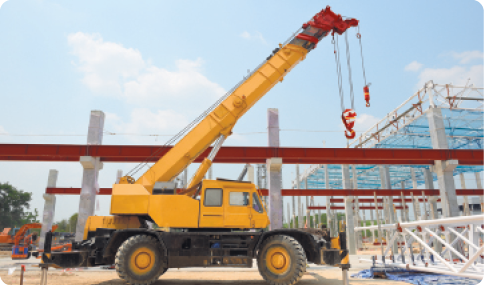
(419, 278)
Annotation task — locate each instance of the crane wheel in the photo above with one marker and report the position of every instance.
(281, 260)
(139, 260)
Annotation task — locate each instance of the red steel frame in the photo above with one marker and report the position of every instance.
(313, 192)
(289, 155)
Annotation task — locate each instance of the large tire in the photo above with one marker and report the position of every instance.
(281, 260)
(139, 260)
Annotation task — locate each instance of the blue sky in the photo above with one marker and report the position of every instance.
(153, 66)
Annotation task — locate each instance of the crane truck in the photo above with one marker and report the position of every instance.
(212, 223)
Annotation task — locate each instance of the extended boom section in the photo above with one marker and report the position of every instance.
(221, 120)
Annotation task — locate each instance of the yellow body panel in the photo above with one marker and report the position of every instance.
(129, 199)
(110, 222)
(174, 211)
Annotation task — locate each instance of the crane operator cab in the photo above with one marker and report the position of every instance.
(211, 204)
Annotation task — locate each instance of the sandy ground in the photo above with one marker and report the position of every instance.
(187, 276)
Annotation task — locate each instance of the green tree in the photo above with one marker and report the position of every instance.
(30, 217)
(13, 203)
(67, 225)
(73, 222)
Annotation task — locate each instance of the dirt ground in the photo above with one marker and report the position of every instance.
(185, 276)
(176, 277)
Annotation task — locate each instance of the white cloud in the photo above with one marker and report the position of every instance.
(413, 66)
(245, 35)
(143, 121)
(457, 75)
(467, 56)
(113, 70)
(2, 130)
(1, 2)
(254, 36)
(365, 121)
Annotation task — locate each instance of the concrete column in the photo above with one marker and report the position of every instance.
(405, 217)
(429, 184)
(308, 213)
(288, 216)
(294, 226)
(49, 208)
(350, 225)
(465, 209)
(389, 206)
(319, 218)
(373, 233)
(359, 236)
(119, 174)
(250, 173)
(91, 166)
(299, 213)
(434, 214)
(185, 177)
(443, 169)
(274, 166)
(479, 186)
(329, 221)
(416, 205)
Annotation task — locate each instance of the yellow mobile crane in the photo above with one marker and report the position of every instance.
(207, 225)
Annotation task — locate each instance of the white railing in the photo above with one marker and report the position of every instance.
(453, 235)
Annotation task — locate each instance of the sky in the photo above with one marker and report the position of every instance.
(154, 66)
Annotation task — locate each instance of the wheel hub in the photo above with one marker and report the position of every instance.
(278, 260)
(142, 260)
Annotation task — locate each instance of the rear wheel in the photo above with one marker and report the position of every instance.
(139, 260)
(281, 260)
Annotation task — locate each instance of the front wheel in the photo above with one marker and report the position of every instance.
(139, 260)
(281, 260)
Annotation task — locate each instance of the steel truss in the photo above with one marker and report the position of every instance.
(458, 232)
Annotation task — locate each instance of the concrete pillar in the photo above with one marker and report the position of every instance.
(443, 169)
(288, 217)
(308, 213)
(185, 177)
(119, 174)
(465, 209)
(49, 208)
(416, 205)
(405, 217)
(294, 226)
(359, 236)
(373, 233)
(319, 218)
(434, 214)
(350, 225)
(479, 186)
(389, 206)
(250, 173)
(91, 166)
(299, 213)
(329, 221)
(274, 166)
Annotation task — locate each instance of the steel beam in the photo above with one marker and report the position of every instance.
(289, 155)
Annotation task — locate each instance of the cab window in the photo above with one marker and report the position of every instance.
(213, 197)
(239, 198)
(256, 203)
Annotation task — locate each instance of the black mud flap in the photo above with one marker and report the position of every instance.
(66, 259)
(334, 256)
